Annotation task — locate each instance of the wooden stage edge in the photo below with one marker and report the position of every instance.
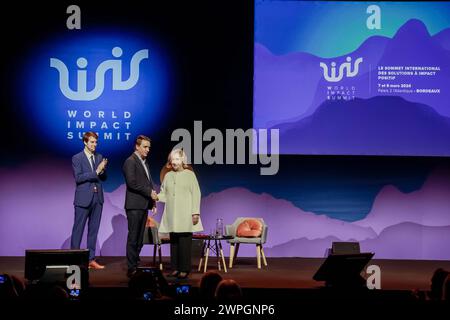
(280, 272)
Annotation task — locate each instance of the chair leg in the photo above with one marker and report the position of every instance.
(258, 255)
(202, 255)
(154, 254)
(223, 260)
(236, 251)
(160, 259)
(263, 256)
(231, 256)
(206, 260)
(216, 246)
(200, 264)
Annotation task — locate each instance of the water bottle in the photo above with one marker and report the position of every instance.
(219, 227)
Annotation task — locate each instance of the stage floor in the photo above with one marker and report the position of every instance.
(280, 272)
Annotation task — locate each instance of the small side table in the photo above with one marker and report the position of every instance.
(213, 243)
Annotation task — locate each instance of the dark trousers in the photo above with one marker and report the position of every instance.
(180, 251)
(136, 227)
(94, 214)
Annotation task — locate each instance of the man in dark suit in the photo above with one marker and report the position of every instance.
(89, 172)
(138, 199)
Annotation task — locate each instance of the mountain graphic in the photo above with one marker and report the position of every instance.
(285, 220)
(402, 241)
(291, 87)
(412, 225)
(383, 125)
(428, 206)
(443, 38)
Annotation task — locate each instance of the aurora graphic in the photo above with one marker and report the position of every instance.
(328, 89)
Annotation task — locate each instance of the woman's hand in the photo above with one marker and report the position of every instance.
(195, 219)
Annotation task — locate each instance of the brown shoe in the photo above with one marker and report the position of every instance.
(95, 265)
(173, 274)
(183, 275)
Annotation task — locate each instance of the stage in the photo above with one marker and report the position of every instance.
(281, 273)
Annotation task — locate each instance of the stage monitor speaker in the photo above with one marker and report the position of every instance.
(345, 248)
(50, 266)
(343, 270)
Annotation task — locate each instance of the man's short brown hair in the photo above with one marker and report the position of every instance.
(139, 139)
(89, 134)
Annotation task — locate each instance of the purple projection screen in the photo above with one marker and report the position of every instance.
(354, 78)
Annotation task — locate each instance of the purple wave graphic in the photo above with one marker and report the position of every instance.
(443, 38)
(284, 87)
(412, 225)
(285, 220)
(381, 125)
(402, 241)
(37, 208)
(428, 206)
(410, 241)
(37, 213)
(291, 87)
(302, 247)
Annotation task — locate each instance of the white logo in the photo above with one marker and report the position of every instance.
(344, 68)
(115, 65)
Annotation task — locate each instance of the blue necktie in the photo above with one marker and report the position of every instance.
(93, 163)
(93, 170)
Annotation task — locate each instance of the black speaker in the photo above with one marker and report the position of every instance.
(343, 270)
(345, 248)
(51, 265)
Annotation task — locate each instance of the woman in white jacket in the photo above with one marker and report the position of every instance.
(181, 194)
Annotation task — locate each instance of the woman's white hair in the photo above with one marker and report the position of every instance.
(179, 152)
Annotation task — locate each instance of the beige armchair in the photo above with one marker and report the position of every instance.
(259, 240)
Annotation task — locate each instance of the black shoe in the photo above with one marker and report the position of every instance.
(183, 275)
(131, 272)
(174, 274)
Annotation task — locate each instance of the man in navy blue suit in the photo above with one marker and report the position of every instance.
(89, 172)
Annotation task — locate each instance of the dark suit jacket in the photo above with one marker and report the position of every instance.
(86, 179)
(139, 187)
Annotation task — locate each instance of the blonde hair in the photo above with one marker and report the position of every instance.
(179, 152)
